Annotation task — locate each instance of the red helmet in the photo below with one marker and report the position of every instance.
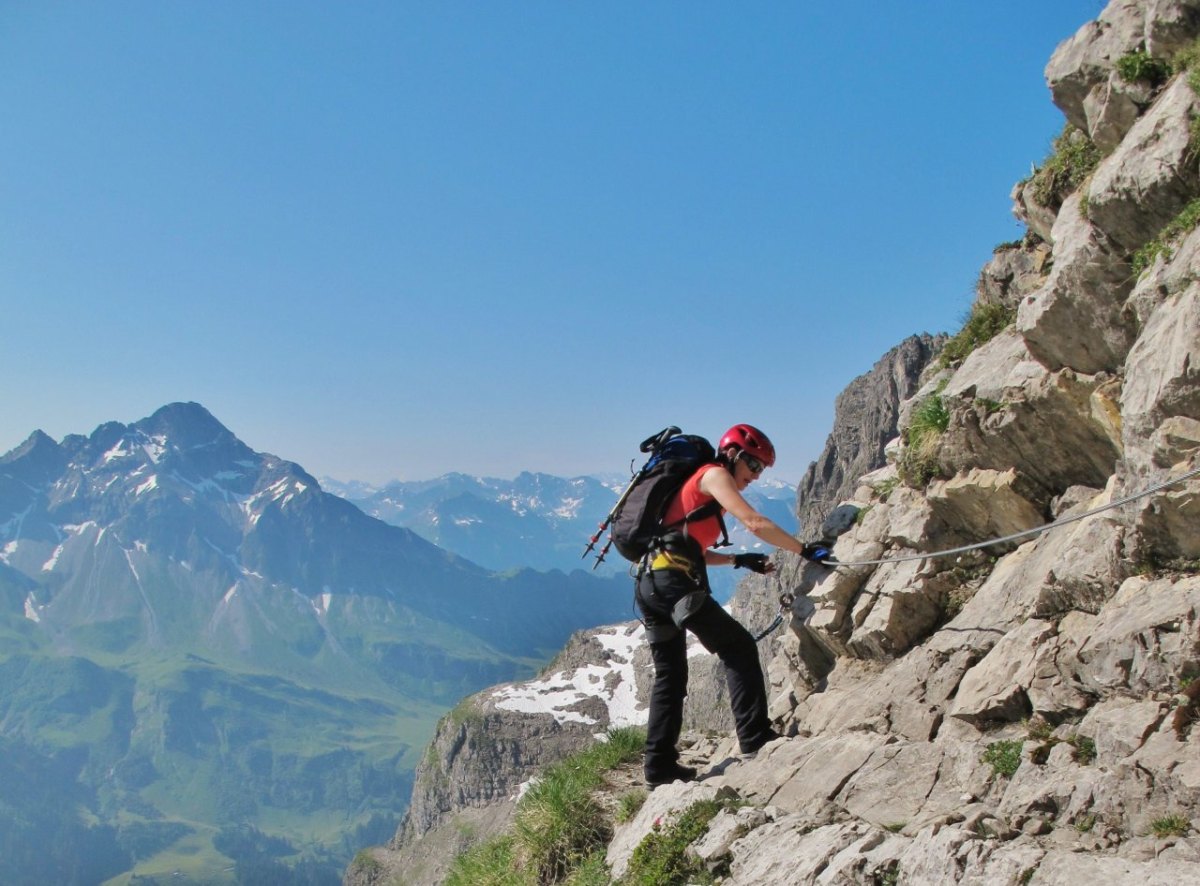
(749, 439)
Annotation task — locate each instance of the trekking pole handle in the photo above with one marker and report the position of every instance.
(654, 442)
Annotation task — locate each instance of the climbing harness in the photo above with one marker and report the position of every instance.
(1027, 532)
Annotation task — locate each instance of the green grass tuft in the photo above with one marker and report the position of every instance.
(1072, 158)
(593, 872)
(661, 858)
(488, 864)
(918, 463)
(883, 490)
(1004, 757)
(560, 829)
(983, 324)
(1187, 58)
(1085, 749)
(1170, 826)
(559, 824)
(1183, 224)
(629, 804)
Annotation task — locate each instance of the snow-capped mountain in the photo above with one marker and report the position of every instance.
(192, 632)
(534, 520)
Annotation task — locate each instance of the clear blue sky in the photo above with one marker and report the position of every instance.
(394, 239)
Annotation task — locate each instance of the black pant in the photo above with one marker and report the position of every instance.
(658, 592)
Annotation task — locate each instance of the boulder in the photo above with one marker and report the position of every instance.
(1145, 637)
(662, 806)
(1008, 411)
(1013, 273)
(987, 503)
(1151, 175)
(1029, 211)
(1071, 868)
(786, 851)
(1074, 566)
(1091, 278)
(897, 608)
(995, 689)
(1120, 726)
(1080, 74)
(907, 699)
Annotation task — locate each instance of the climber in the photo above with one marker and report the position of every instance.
(673, 594)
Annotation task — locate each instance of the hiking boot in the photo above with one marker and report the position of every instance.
(675, 772)
(769, 736)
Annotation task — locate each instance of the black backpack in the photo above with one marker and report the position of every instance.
(635, 522)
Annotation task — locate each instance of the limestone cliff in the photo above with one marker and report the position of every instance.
(865, 418)
(1020, 709)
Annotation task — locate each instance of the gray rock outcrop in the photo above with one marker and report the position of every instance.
(865, 418)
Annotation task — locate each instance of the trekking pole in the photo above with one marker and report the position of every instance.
(612, 515)
(650, 445)
(604, 524)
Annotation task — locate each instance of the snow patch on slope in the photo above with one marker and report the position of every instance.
(613, 683)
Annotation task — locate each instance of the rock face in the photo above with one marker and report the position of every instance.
(998, 682)
(496, 741)
(865, 420)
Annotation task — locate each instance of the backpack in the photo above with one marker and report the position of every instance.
(635, 522)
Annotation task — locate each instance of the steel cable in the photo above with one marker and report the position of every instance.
(1026, 532)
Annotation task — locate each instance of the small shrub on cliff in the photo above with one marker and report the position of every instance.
(1004, 757)
(1177, 228)
(883, 490)
(1140, 66)
(918, 463)
(366, 864)
(1085, 749)
(983, 324)
(629, 804)
(1072, 159)
(1038, 729)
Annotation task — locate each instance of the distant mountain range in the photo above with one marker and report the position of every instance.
(535, 520)
(209, 664)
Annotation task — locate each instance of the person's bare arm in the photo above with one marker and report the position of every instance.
(720, 485)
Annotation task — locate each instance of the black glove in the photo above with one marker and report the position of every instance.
(818, 551)
(754, 562)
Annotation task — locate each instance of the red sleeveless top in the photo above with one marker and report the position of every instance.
(706, 532)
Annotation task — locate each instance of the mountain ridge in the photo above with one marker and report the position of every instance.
(536, 519)
(199, 603)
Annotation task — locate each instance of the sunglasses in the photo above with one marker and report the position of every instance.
(755, 466)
